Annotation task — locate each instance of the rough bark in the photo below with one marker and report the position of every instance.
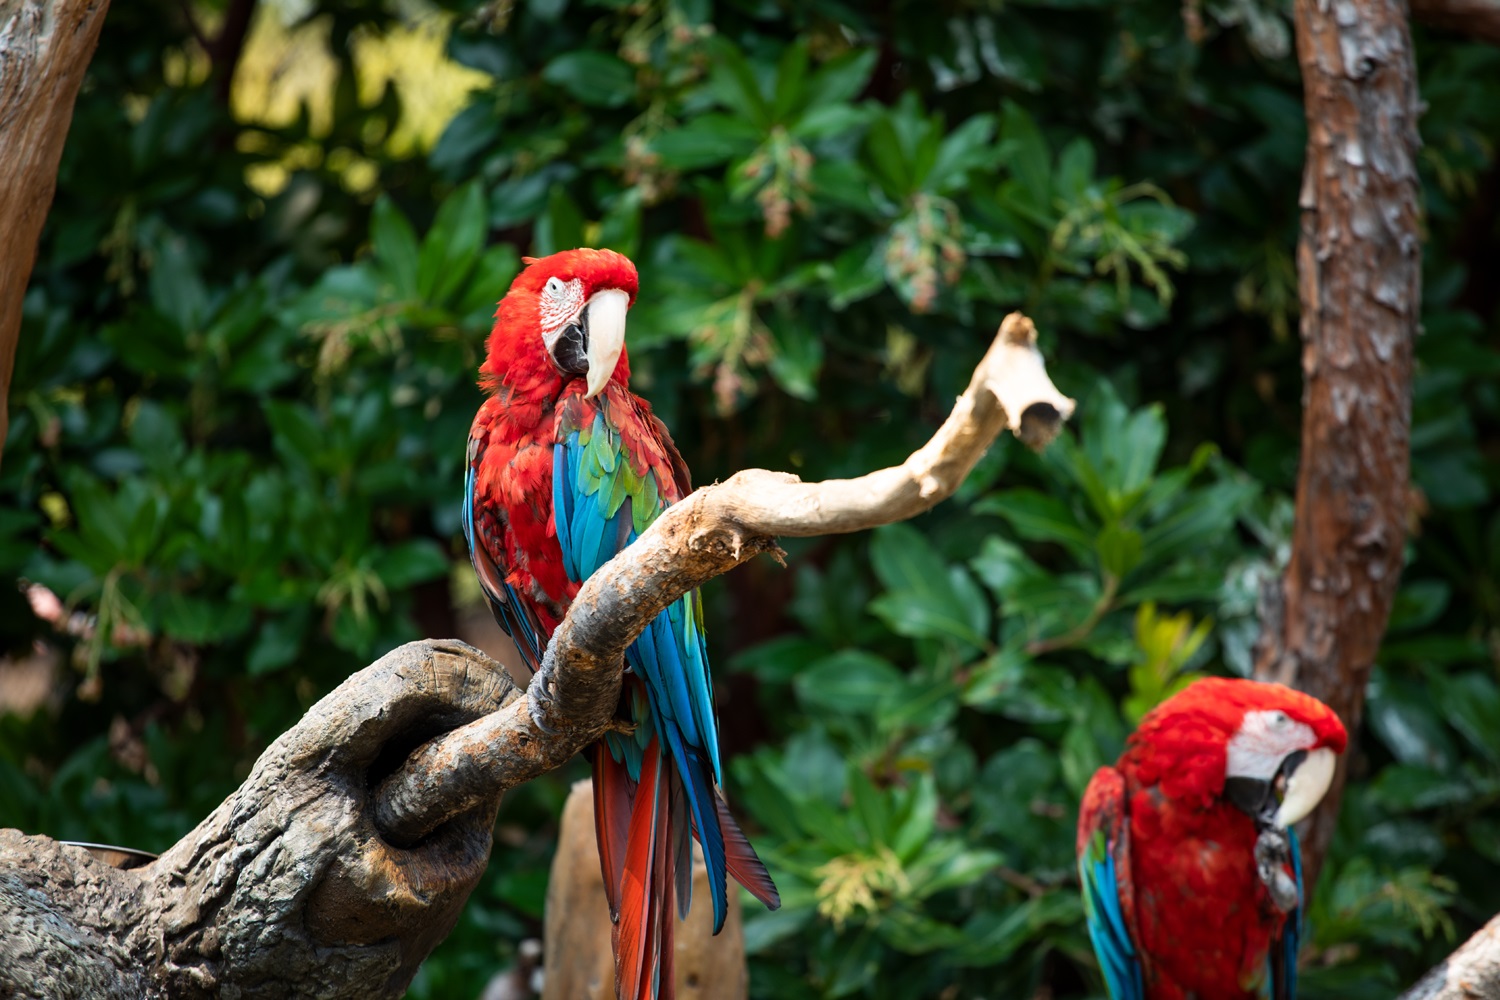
(578, 962)
(1470, 973)
(1478, 18)
(288, 889)
(1359, 270)
(45, 46)
(349, 852)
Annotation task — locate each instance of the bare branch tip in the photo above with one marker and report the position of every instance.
(1017, 328)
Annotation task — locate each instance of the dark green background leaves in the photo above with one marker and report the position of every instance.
(238, 424)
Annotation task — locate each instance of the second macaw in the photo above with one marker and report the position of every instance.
(566, 467)
(1191, 872)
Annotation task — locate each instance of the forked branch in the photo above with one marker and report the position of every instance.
(572, 698)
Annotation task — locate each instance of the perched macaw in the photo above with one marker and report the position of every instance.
(1192, 876)
(566, 467)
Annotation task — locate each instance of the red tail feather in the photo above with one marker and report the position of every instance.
(662, 910)
(742, 861)
(613, 793)
(643, 933)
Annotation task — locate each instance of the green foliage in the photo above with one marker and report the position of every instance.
(239, 413)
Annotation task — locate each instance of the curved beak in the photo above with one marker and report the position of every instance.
(604, 323)
(1306, 786)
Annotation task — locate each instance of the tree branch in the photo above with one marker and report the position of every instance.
(572, 698)
(1359, 270)
(45, 47)
(1471, 972)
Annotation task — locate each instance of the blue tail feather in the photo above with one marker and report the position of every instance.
(700, 793)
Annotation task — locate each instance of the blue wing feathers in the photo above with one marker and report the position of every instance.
(600, 504)
(1291, 931)
(1101, 858)
(1111, 937)
(562, 506)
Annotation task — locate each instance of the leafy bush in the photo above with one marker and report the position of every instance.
(239, 412)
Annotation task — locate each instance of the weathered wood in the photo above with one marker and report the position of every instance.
(578, 961)
(287, 889)
(1359, 267)
(45, 46)
(1470, 973)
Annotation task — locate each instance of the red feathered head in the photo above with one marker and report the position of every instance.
(1265, 747)
(563, 318)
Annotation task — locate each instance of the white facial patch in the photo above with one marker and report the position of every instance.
(559, 305)
(1264, 740)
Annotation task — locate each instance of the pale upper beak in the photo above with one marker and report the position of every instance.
(1306, 786)
(605, 318)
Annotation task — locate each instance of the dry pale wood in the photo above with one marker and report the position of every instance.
(1470, 973)
(1359, 270)
(709, 533)
(45, 46)
(578, 962)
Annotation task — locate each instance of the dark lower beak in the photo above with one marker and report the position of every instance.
(1260, 798)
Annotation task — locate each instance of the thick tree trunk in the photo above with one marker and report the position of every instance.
(349, 852)
(45, 46)
(1359, 266)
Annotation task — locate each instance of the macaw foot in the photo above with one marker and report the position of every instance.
(1274, 864)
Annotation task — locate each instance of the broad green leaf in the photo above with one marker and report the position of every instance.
(841, 78)
(915, 818)
(593, 77)
(791, 79)
(892, 168)
(705, 141)
(560, 227)
(735, 84)
(851, 681)
(410, 562)
(395, 244)
(452, 244)
(1119, 550)
(968, 147)
(1030, 159)
(905, 561)
(1039, 517)
(1075, 169)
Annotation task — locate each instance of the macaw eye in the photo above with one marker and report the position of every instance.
(554, 286)
(1279, 718)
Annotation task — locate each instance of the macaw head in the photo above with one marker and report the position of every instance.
(563, 318)
(1265, 748)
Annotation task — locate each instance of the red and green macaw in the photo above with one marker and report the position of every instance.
(566, 467)
(1192, 876)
